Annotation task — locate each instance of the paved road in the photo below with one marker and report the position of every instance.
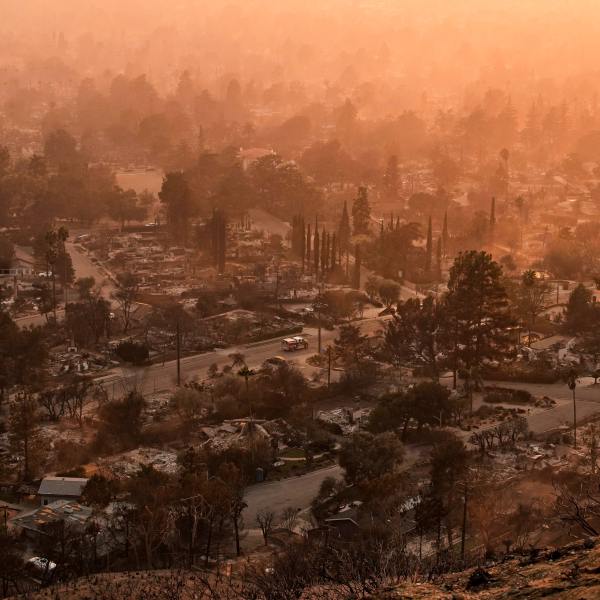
(160, 377)
(558, 391)
(83, 267)
(562, 415)
(587, 399)
(543, 420)
(297, 492)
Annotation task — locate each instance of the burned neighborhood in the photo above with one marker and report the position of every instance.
(299, 301)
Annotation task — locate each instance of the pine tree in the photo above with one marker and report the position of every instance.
(479, 311)
(344, 231)
(493, 213)
(429, 248)
(176, 195)
(361, 212)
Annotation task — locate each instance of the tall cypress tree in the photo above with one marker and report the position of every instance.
(439, 258)
(303, 242)
(308, 247)
(445, 234)
(361, 212)
(357, 267)
(218, 229)
(429, 248)
(382, 259)
(333, 252)
(223, 243)
(344, 231)
(294, 233)
(324, 252)
(316, 251)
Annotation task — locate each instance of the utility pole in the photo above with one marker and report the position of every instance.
(65, 284)
(319, 319)
(464, 523)
(572, 383)
(246, 373)
(54, 293)
(178, 345)
(328, 367)
(319, 335)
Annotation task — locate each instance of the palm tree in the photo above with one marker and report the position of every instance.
(238, 359)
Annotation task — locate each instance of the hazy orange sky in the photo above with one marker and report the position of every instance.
(449, 48)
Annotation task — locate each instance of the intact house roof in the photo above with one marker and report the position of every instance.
(62, 486)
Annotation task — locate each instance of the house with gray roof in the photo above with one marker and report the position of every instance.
(60, 488)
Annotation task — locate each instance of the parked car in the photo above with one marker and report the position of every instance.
(276, 361)
(294, 343)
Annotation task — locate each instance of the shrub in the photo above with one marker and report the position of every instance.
(524, 375)
(120, 424)
(132, 352)
(499, 395)
(188, 402)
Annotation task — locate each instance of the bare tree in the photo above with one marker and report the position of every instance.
(579, 505)
(232, 477)
(23, 427)
(289, 518)
(52, 401)
(525, 524)
(264, 519)
(74, 396)
(126, 295)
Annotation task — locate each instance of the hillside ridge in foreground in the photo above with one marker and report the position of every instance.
(569, 573)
